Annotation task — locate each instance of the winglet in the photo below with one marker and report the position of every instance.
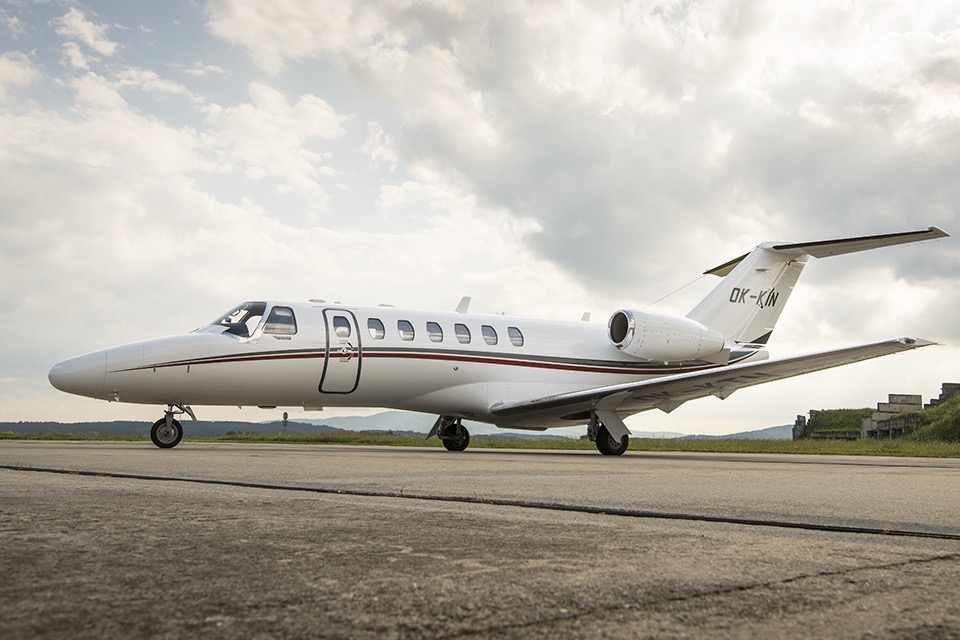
(464, 304)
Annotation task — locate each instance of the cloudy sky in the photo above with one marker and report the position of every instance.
(161, 162)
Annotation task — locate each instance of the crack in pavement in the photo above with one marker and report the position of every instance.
(744, 588)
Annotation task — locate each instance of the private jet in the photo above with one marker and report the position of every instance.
(509, 371)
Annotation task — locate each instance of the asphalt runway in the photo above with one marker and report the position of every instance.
(231, 540)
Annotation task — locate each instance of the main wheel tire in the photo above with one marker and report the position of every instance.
(455, 438)
(608, 445)
(166, 437)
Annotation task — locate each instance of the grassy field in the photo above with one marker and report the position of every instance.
(901, 447)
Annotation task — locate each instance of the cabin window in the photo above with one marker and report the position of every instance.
(489, 334)
(375, 327)
(281, 321)
(515, 336)
(463, 334)
(406, 329)
(341, 326)
(435, 332)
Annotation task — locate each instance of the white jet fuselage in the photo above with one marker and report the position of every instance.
(446, 363)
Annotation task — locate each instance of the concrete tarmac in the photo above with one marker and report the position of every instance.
(230, 540)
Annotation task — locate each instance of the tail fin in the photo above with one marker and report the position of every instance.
(745, 306)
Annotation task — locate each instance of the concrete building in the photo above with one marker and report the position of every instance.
(879, 425)
(882, 423)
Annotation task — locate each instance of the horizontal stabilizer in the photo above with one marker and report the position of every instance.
(827, 248)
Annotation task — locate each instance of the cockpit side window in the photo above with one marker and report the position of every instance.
(242, 320)
(281, 321)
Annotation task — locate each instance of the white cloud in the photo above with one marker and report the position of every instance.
(291, 30)
(379, 148)
(92, 89)
(73, 56)
(816, 115)
(16, 71)
(74, 25)
(201, 70)
(271, 137)
(151, 82)
(11, 23)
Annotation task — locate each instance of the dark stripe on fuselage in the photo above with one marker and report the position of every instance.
(293, 354)
(444, 355)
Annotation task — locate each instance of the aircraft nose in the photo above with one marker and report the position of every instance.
(82, 375)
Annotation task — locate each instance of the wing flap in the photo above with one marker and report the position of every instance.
(669, 392)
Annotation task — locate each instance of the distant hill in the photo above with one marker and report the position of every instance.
(783, 432)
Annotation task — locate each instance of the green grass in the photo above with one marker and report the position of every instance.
(837, 420)
(74, 437)
(940, 424)
(908, 447)
(898, 447)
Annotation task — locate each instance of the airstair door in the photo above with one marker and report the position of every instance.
(341, 368)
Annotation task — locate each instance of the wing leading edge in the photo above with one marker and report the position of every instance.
(669, 392)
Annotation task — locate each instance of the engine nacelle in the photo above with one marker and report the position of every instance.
(654, 337)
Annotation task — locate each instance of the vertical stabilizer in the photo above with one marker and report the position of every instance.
(746, 305)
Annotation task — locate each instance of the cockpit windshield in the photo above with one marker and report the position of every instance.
(241, 321)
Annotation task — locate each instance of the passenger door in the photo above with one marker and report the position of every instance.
(341, 368)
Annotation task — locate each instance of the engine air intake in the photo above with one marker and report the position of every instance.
(655, 337)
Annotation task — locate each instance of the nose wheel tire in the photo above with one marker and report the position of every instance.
(455, 437)
(165, 436)
(609, 446)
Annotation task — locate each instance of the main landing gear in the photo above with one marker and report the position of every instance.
(167, 432)
(451, 432)
(606, 443)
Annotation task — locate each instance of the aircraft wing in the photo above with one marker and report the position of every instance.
(669, 392)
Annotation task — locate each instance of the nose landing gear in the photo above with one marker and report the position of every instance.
(167, 432)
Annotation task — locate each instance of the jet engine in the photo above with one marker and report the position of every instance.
(655, 337)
